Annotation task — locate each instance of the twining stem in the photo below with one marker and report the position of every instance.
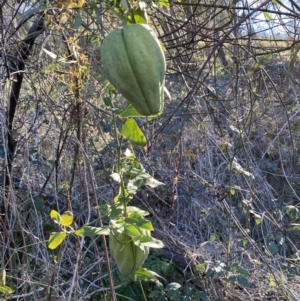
(119, 171)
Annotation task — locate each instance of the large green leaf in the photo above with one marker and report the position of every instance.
(92, 231)
(131, 131)
(148, 241)
(55, 239)
(131, 230)
(5, 290)
(129, 111)
(146, 275)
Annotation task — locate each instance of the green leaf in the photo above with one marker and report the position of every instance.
(78, 21)
(116, 177)
(67, 218)
(173, 286)
(243, 272)
(5, 290)
(163, 3)
(257, 217)
(139, 178)
(55, 239)
(129, 111)
(148, 241)
(92, 231)
(131, 230)
(38, 203)
(273, 248)
(112, 211)
(138, 16)
(32, 11)
(200, 268)
(268, 16)
(242, 280)
(174, 295)
(131, 131)
(107, 102)
(201, 296)
(292, 211)
(212, 237)
(132, 211)
(146, 275)
(153, 183)
(295, 227)
(232, 279)
(140, 222)
(55, 216)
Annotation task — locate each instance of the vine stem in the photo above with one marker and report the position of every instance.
(119, 153)
(145, 298)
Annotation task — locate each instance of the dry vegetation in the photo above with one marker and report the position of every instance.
(226, 146)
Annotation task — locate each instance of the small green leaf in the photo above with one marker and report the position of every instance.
(55, 239)
(94, 39)
(173, 286)
(37, 202)
(138, 16)
(55, 216)
(32, 11)
(131, 131)
(257, 217)
(174, 294)
(200, 268)
(232, 191)
(273, 248)
(107, 102)
(295, 227)
(292, 211)
(116, 177)
(92, 231)
(268, 16)
(201, 296)
(242, 280)
(163, 3)
(232, 279)
(243, 272)
(67, 218)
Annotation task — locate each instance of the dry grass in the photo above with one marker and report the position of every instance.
(207, 211)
